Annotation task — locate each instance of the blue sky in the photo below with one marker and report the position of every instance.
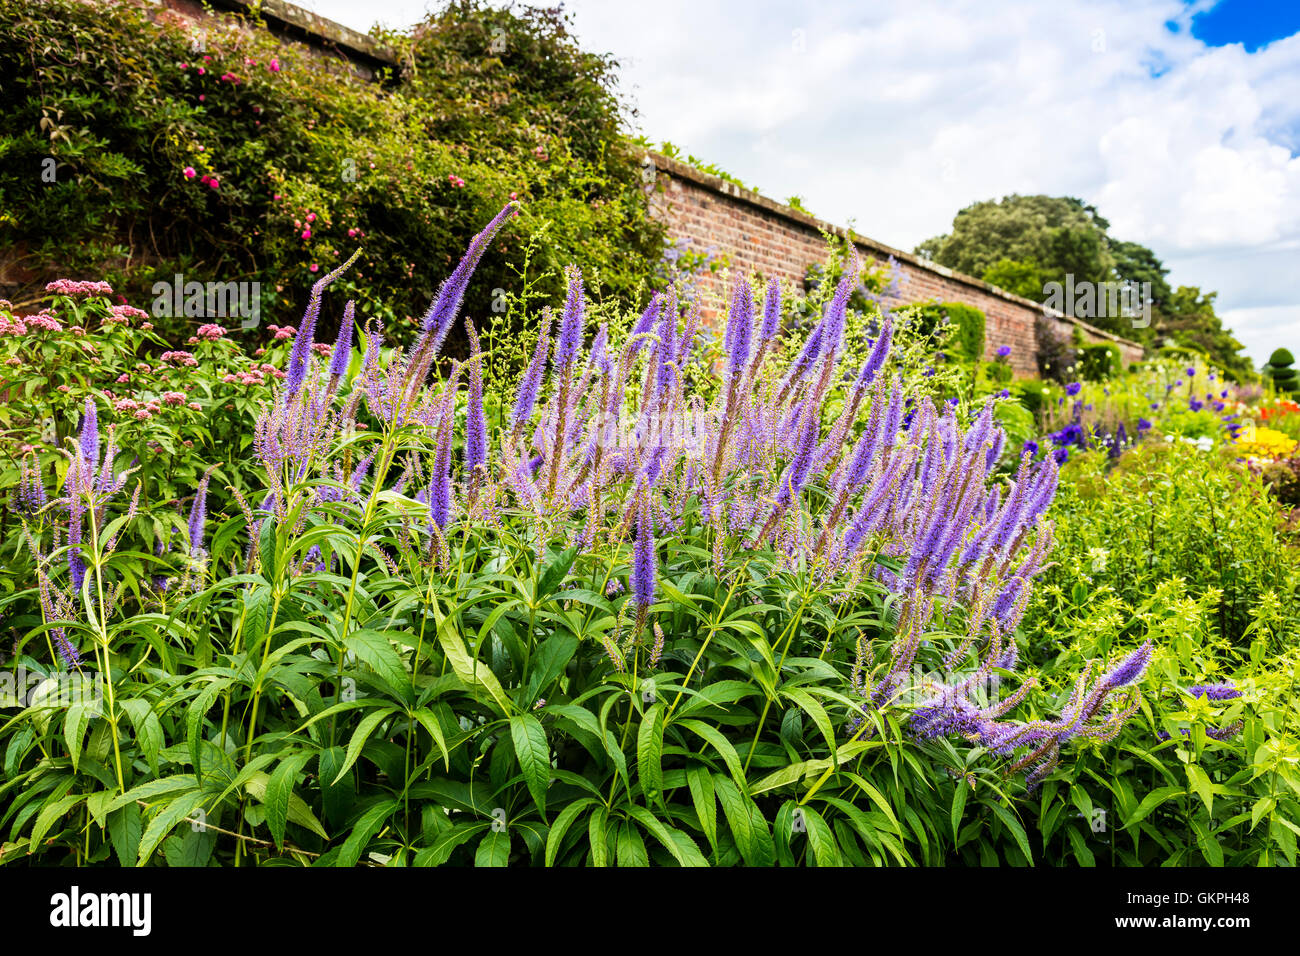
(1179, 121)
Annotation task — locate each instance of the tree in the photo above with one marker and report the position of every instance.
(1060, 235)
(1189, 319)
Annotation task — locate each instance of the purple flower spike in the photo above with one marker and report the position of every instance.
(569, 340)
(740, 325)
(1131, 668)
(643, 553)
(90, 436)
(476, 450)
(442, 313)
(199, 515)
(343, 344)
(302, 342)
(1224, 691)
(531, 383)
(771, 311)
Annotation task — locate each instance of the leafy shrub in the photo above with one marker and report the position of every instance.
(1100, 361)
(261, 162)
(1167, 510)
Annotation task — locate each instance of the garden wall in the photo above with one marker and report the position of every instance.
(757, 234)
(754, 232)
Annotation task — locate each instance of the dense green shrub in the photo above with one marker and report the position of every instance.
(254, 160)
(1166, 511)
(967, 323)
(1100, 361)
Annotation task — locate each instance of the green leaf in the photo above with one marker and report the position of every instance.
(1016, 829)
(162, 823)
(554, 574)
(682, 847)
(298, 812)
(74, 728)
(493, 849)
(370, 823)
(125, 825)
(534, 755)
(649, 753)
(51, 813)
(629, 847)
(375, 649)
(598, 836)
(365, 727)
(820, 839)
(1200, 782)
(959, 795)
(429, 721)
(700, 782)
(148, 729)
(470, 671)
(561, 826)
(279, 791)
(1151, 801)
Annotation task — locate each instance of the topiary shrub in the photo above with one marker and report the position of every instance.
(1279, 369)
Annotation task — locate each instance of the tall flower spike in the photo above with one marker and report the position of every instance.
(476, 450)
(302, 342)
(643, 553)
(339, 358)
(89, 441)
(437, 322)
(531, 382)
(740, 326)
(199, 515)
(771, 311)
(569, 339)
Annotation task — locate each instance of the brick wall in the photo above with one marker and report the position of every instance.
(759, 235)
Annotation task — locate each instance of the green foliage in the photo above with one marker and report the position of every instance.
(1167, 510)
(1021, 278)
(1100, 361)
(1056, 235)
(310, 161)
(966, 321)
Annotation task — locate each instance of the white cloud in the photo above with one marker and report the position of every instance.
(896, 115)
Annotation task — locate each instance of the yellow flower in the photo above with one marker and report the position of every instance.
(1266, 443)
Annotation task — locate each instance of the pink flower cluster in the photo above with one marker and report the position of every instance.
(174, 398)
(21, 325)
(256, 375)
(456, 181)
(70, 287)
(141, 411)
(123, 314)
(211, 332)
(185, 359)
(283, 331)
